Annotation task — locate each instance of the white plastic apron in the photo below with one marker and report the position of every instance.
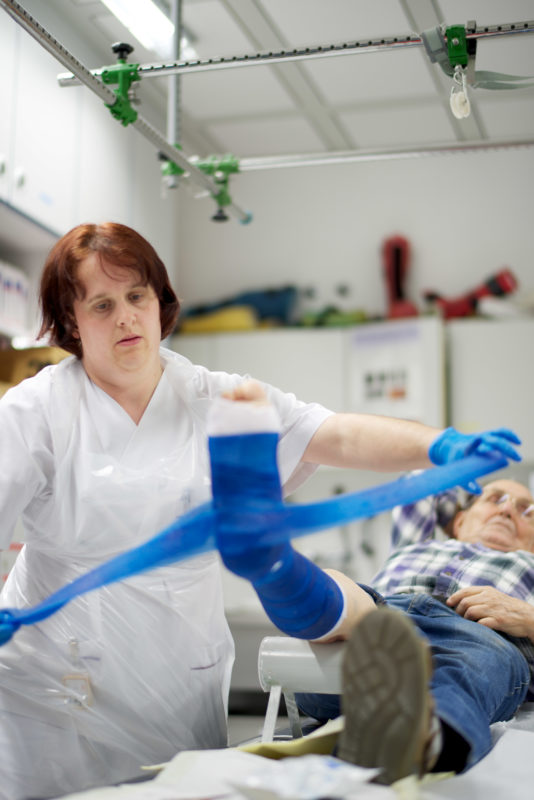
(152, 655)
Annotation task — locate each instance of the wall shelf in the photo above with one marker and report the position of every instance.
(21, 236)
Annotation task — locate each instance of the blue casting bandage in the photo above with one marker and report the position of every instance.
(272, 524)
(190, 535)
(300, 598)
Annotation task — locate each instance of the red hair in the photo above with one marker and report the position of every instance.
(116, 244)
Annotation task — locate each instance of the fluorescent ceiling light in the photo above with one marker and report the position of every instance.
(145, 21)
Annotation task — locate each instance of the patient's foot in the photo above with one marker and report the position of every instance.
(386, 700)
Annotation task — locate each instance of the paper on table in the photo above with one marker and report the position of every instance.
(310, 777)
(126, 791)
(207, 773)
(190, 775)
(202, 774)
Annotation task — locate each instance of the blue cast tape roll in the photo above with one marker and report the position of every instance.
(195, 532)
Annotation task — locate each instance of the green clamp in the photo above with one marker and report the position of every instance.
(217, 167)
(169, 168)
(121, 75)
(457, 45)
(220, 168)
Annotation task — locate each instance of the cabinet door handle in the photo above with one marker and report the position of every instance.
(19, 177)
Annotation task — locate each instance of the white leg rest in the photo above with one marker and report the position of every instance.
(294, 665)
(271, 715)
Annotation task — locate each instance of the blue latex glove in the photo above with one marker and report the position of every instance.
(452, 445)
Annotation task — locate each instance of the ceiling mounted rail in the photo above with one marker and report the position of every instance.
(154, 70)
(352, 156)
(85, 76)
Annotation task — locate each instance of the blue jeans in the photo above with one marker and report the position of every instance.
(479, 677)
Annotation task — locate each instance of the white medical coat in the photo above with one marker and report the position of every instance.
(155, 649)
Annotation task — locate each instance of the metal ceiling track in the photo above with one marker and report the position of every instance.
(79, 74)
(472, 31)
(386, 154)
(155, 70)
(85, 76)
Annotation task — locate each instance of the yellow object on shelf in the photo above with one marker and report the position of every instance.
(232, 318)
(15, 365)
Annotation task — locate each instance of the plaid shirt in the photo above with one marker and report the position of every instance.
(424, 559)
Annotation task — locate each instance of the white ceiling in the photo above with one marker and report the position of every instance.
(364, 101)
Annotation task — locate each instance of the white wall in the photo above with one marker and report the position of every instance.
(466, 217)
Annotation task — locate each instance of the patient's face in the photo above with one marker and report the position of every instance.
(501, 518)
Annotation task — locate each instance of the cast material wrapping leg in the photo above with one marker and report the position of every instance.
(297, 595)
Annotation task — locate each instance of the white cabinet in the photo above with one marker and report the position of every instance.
(308, 362)
(44, 155)
(198, 348)
(491, 380)
(397, 369)
(394, 368)
(66, 159)
(7, 94)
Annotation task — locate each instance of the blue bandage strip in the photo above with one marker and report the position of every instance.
(191, 535)
(195, 532)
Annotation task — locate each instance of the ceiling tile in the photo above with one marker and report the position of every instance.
(510, 54)
(485, 12)
(112, 30)
(268, 137)
(226, 93)
(507, 117)
(306, 23)
(389, 127)
(214, 30)
(371, 76)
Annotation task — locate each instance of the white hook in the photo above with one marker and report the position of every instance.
(459, 101)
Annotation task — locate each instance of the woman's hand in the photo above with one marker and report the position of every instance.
(249, 391)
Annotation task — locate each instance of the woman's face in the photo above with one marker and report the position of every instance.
(118, 323)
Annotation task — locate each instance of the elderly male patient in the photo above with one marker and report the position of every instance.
(450, 647)
(441, 645)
